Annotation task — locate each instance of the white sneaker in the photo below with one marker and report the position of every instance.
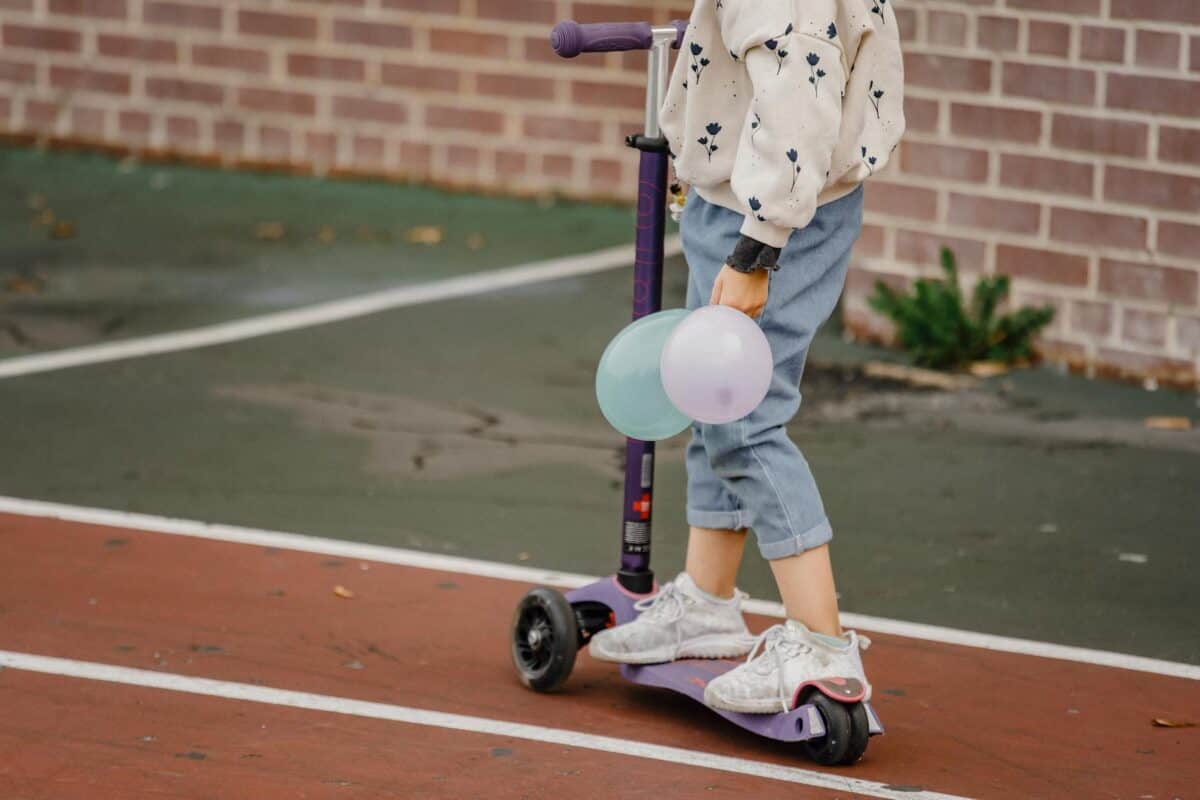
(678, 622)
(785, 657)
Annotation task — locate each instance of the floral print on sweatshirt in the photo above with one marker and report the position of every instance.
(808, 105)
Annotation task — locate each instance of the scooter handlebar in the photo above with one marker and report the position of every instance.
(570, 38)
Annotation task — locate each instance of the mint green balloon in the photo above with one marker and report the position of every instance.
(629, 385)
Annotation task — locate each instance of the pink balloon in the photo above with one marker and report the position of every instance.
(716, 365)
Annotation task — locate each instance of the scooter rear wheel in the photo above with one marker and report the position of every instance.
(545, 638)
(846, 731)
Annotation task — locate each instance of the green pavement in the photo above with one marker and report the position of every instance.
(1037, 506)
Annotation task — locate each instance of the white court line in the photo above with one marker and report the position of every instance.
(332, 311)
(230, 690)
(566, 580)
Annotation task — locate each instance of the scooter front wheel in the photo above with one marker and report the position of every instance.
(846, 731)
(545, 638)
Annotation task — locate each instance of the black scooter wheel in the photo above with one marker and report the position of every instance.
(834, 747)
(860, 734)
(545, 638)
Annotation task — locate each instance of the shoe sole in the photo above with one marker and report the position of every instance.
(716, 646)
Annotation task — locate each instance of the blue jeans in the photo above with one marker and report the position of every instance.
(749, 473)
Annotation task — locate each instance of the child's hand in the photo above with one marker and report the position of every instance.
(747, 292)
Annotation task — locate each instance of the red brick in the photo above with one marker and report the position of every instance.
(1158, 49)
(1167, 190)
(88, 122)
(906, 23)
(474, 45)
(464, 119)
(871, 241)
(440, 79)
(924, 249)
(1098, 229)
(510, 162)
(606, 172)
(947, 72)
(1085, 7)
(274, 142)
(1125, 364)
(997, 33)
(40, 115)
(1178, 239)
(562, 128)
(370, 110)
(1044, 265)
(368, 149)
(518, 11)
(1094, 319)
(515, 86)
(36, 37)
(1185, 11)
(594, 12)
(1102, 44)
(89, 80)
(416, 158)
(942, 161)
(994, 214)
(1187, 333)
(1055, 84)
(1094, 135)
(1156, 95)
(184, 15)
(308, 65)
(1194, 54)
(321, 146)
(136, 48)
(238, 59)
(372, 34)
(17, 71)
(894, 199)
(134, 123)
(462, 157)
(1144, 327)
(101, 9)
(1149, 282)
(921, 114)
(558, 166)
(946, 28)
(986, 122)
(276, 100)
(276, 25)
(1047, 174)
(229, 135)
(1180, 145)
(185, 91)
(181, 130)
(5, 108)
(428, 6)
(16, 5)
(1049, 38)
(610, 95)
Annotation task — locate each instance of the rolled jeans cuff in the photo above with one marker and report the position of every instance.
(814, 537)
(716, 520)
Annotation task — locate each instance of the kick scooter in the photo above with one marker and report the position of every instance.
(829, 718)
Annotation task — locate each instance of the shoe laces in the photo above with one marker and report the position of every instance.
(668, 605)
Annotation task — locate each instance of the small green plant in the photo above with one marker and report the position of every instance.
(940, 331)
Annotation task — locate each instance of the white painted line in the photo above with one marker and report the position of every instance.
(229, 690)
(332, 311)
(565, 580)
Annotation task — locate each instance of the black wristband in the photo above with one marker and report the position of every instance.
(768, 258)
(745, 255)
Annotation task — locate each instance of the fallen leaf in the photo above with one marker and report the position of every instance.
(62, 230)
(343, 592)
(45, 217)
(1159, 722)
(24, 284)
(1168, 423)
(1133, 558)
(523, 556)
(326, 235)
(917, 376)
(268, 231)
(987, 369)
(475, 241)
(424, 234)
(36, 202)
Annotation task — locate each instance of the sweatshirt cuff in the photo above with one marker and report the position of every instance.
(765, 232)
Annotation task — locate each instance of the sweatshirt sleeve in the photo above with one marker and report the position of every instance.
(793, 122)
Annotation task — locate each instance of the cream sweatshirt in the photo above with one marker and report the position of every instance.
(776, 107)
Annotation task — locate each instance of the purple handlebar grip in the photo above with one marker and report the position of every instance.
(569, 38)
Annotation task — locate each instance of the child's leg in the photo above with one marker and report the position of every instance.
(806, 585)
(713, 557)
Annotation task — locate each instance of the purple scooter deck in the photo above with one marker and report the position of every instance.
(690, 676)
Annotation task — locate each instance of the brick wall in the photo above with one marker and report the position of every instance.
(1055, 140)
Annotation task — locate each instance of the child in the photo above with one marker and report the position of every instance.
(777, 111)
